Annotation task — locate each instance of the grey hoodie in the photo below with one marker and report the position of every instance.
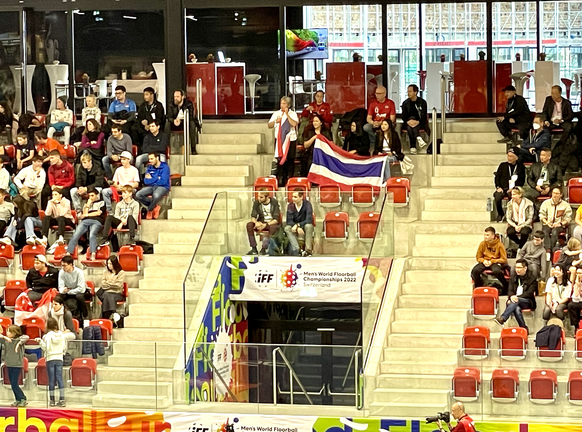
(11, 357)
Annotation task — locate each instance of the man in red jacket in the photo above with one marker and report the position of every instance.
(464, 422)
(318, 106)
(60, 173)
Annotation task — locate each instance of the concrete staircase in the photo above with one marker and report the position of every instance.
(420, 354)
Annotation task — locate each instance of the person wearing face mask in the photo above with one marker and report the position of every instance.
(539, 137)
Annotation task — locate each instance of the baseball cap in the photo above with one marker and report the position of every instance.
(509, 88)
(127, 155)
(513, 150)
(41, 258)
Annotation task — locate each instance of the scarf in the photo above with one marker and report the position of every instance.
(518, 212)
(92, 135)
(59, 316)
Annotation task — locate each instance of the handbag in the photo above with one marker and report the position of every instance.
(406, 165)
(67, 359)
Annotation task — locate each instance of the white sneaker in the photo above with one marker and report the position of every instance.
(421, 143)
(42, 241)
(52, 249)
(6, 240)
(413, 150)
(60, 241)
(31, 240)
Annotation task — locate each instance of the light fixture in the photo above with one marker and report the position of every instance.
(191, 17)
(129, 17)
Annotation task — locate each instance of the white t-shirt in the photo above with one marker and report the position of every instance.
(293, 131)
(124, 176)
(267, 212)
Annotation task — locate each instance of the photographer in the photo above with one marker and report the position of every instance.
(464, 422)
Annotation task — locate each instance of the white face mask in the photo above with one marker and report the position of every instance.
(536, 126)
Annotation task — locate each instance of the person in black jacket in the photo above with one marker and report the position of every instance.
(356, 141)
(89, 174)
(415, 117)
(41, 278)
(176, 115)
(150, 110)
(508, 175)
(558, 113)
(156, 141)
(543, 176)
(517, 115)
(265, 215)
(538, 138)
(521, 294)
(388, 142)
(299, 223)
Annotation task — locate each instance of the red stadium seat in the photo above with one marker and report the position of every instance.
(548, 355)
(367, 225)
(130, 258)
(556, 256)
(574, 393)
(485, 302)
(330, 195)
(101, 256)
(476, 341)
(270, 183)
(71, 152)
(60, 252)
(6, 257)
(106, 327)
(35, 328)
(363, 195)
(10, 151)
(22, 378)
(575, 191)
(466, 384)
(12, 290)
(5, 322)
(513, 343)
(27, 256)
(578, 345)
(40, 374)
(504, 385)
(76, 324)
(335, 226)
(400, 187)
(83, 373)
(42, 119)
(297, 183)
(543, 386)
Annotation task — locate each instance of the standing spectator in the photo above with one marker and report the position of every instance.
(13, 343)
(320, 108)
(537, 139)
(72, 286)
(89, 174)
(125, 175)
(8, 122)
(520, 213)
(91, 219)
(112, 284)
(151, 110)
(388, 143)
(317, 127)
(58, 212)
(555, 215)
(6, 211)
(61, 120)
(117, 143)
(575, 306)
(30, 180)
(543, 176)
(41, 278)
(284, 122)
(266, 214)
(299, 223)
(60, 174)
(415, 117)
(491, 255)
(126, 215)
(176, 116)
(558, 293)
(54, 344)
(122, 112)
(517, 116)
(24, 151)
(521, 294)
(156, 141)
(380, 109)
(25, 217)
(508, 175)
(157, 185)
(357, 142)
(558, 113)
(92, 140)
(534, 253)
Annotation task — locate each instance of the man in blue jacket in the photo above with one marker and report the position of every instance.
(299, 223)
(157, 185)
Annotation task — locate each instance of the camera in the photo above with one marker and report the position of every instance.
(443, 416)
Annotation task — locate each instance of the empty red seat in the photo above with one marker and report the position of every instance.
(485, 302)
(513, 343)
(363, 195)
(10, 151)
(82, 374)
(27, 256)
(330, 195)
(12, 290)
(575, 191)
(504, 385)
(574, 393)
(543, 386)
(34, 329)
(130, 258)
(557, 354)
(6, 256)
(21, 379)
(335, 226)
(40, 374)
(297, 183)
(466, 384)
(101, 255)
(578, 345)
(60, 252)
(106, 327)
(270, 183)
(400, 188)
(476, 341)
(367, 225)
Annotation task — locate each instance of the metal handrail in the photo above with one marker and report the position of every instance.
(292, 375)
(292, 332)
(357, 355)
(219, 376)
(434, 138)
(186, 138)
(351, 360)
(199, 100)
(318, 393)
(444, 91)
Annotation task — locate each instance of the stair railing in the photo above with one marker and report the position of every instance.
(356, 360)
(292, 376)
(434, 138)
(231, 394)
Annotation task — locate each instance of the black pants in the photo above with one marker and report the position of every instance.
(61, 222)
(113, 221)
(526, 157)
(497, 270)
(498, 197)
(505, 128)
(551, 237)
(414, 132)
(574, 309)
(568, 127)
(559, 312)
(512, 234)
(565, 154)
(76, 304)
(3, 225)
(109, 300)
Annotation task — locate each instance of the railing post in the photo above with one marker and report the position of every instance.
(434, 137)
(186, 139)
(275, 377)
(444, 91)
(356, 378)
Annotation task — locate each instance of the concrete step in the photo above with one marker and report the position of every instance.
(178, 226)
(190, 238)
(453, 216)
(412, 396)
(437, 301)
(442, 276)
(201, 215)
(217, 170)
(231, 159)
(202, 203)
(481, 182)
(205, 191)
(170, 273)
(459, 170)
(472, 147)
(141, 334)
(471, 159)
(159, 297)
(154, 322)
(407, 340)
(457, 228)
(228, 149)
(421, 355)
(445, 289)
(448, 240)
(136, 388)
(458, 192)
(422, 368)
(117, 374)
(154, 309)
(451, 252)
(150, 284)
(405, 410)
(221, 139)
(401, 381)
(181, 249)
(218, 181)
(139, 361)
(469, 138)
(455, 204)
(429, 328)
(474, 126)
(146, 349)
(164, 260)
(430, 315)
(438, 263)
(106, 400)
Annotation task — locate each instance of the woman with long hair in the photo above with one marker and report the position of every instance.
(92, 140)
(317, 127)
(62, 314)
(25, 217)
(558, 293)
(356, 141)
(61, 120)
(112, 284)
(8, 122)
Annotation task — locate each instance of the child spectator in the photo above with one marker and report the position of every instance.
(45, 145)
(24, 151)
(58, 212)
(61, 120)
(62, 314)
(91, 110)
(60, 173)
(126, 215)
(30, 180)
(112, 283)
(125, 175)
(14, 359)
(89, 174)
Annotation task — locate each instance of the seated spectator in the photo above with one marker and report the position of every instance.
(320, 108)
(25, 217)
(543, 177)
(6, 211)
(91, 219)
(8, 122)
(60, 312)
(125, 175)
(415, 117)
(176, 115)
(122, 112)
(117, 143)
(72, 286)
(41, 278)
(28, 124)
(91, 110)
(45, 145)
(157, 185)
(508, 175)
(92, 140)
(555, 215)
(30, 180)
(538, 138)
(558, 113)
(491, 255)
(575, 305)
(520, 213)
(570, 257)
(111, 290)
(356, 141)
(89, 174)
(149, 111)
(534, 253)
(155, 141)
(284, 121)
(317, 127)
(61, 173)
(25, 151)
(61, 120)
(521, 294)
(388, 142)
(299, 223)
(558, 293)
(4, 174)
(126, 215)
(517, 116)
(578, 229)
(58, 212)
(265, 215)
(380, 109)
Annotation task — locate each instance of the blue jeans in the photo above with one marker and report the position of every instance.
(91, 225)
(515, 310)
(142, 160)
(107, 194)
(54, 369)
(156, 192)
(14, 377)
(29, 224)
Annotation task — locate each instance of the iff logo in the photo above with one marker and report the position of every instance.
(263, 278)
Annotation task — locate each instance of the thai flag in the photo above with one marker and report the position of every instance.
(332, 164)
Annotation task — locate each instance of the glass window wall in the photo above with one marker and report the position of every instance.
(10, 59)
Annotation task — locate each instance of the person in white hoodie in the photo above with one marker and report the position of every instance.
(54, 343)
